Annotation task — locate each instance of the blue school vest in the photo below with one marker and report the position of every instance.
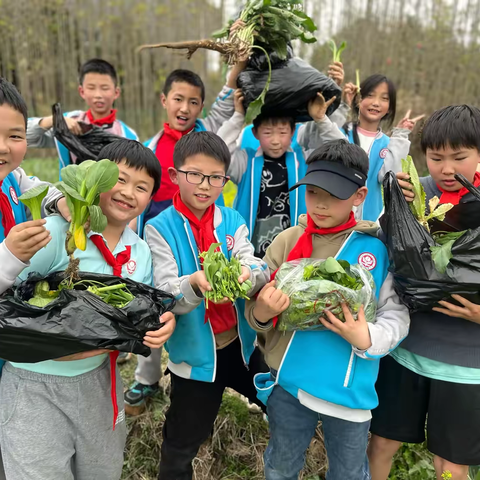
(322, 363)
(193, 342)
(373, 205)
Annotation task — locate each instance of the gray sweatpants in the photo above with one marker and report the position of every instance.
(61, 428)
(149, 369)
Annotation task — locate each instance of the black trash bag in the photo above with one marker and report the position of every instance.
(86, 146)
(258, 59)
(418, 284)
(291, 88)
(77, 320)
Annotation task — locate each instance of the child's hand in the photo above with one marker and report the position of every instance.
(336, 72)
(317, 107)
(355, 332)
(156, 338)
(199, 282)
(409, 123)
(26, 239)
(238, 101)
(63, 209)
(405, 186)
(270, 303)
(349, 92)
(470, 311)
(245, 275)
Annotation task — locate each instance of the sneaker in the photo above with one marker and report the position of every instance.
(135, 397)
(123, 357)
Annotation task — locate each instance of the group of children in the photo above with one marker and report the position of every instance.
(304, 191)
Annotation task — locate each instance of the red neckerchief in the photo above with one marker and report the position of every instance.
(108, 120)
(164, 153)
(304, 246)
(455, 197)
(116, 263)
(8, 220)
(222, 316)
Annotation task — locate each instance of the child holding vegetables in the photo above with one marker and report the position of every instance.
(326, 375)
(434, 376)
(375, 105)
(213, 347)
(56, 415)
(98, 86)
(264, 176)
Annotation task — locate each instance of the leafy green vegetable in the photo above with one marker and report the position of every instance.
(316, 286)
(82, 185)
(442, 251)
(222, 275)
(117, 296)
(32, 199)
(337, 52)
(357, 82)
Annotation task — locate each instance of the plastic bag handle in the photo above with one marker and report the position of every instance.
(471, 188)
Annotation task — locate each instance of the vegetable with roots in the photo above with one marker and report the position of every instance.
(266, 25)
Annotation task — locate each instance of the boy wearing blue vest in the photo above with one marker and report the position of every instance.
(56, 416)
(433, 378)
(214, 347)
(265, 175)
(326, 375)
(98, 86)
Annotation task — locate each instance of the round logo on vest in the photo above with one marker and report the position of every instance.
(230, 242)
(131, 266)
(367, 260)
(383, 152)
(13, 195)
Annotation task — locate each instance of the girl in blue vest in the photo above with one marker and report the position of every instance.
(375, 106)
(213, 347)
(326, 375)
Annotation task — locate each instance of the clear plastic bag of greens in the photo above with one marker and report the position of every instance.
(315, 286)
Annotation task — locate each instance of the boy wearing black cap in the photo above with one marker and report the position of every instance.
(326, 375)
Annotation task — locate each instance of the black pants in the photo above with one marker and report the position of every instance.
(194, 407)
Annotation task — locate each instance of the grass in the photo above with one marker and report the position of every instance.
(239, 437)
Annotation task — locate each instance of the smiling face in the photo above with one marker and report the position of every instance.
(129, 197)
(13, 140)
(99, 92)
(444, 163)
(328, 211)
(374, 106)
(183, 104)
(276, 139)
(198, 197)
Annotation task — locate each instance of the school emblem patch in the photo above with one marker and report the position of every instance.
(383, 152)
(230, 242)
(131, 266)
(367, 260)
(13, 195)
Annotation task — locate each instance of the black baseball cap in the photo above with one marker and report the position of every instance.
(335, 178)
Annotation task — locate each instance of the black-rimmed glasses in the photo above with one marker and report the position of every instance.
(197, 178)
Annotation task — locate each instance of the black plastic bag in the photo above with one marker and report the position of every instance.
(86, 146)
(418, 284)
(77, 320)
(292, 87)
(258, 59)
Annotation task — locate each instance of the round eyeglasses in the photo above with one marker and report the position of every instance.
(197, 178)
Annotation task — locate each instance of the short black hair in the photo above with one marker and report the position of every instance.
(274, 119)
(370, 84)
(185, 76)
(9, 95)
(455, 126)
(136, 156)
(341, 151)
(205, 143)
(97, 65)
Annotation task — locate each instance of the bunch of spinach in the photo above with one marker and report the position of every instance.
(222, 275)
(442, 251)
(317, 286)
